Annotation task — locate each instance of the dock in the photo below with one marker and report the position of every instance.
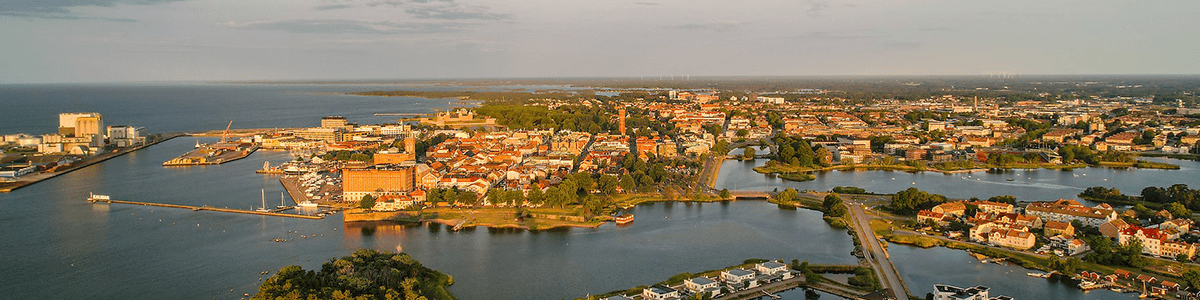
(274, 213)
(30, 179)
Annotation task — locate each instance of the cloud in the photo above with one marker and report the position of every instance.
(453, 13)
(425, 9)
(61, 9)
(721, 26)
(328, 26)
(817, 8)
(333, 6)
(646, 3)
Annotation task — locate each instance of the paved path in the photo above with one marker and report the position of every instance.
(879, 258)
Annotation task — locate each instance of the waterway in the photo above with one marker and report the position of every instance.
(58, 246)
(922, 268)
(1026, 185)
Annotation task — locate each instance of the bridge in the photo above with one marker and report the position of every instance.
(750, 194)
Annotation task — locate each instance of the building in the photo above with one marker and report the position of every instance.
(956, 209)
(125, 135)
(1012, 238)
(621, 120)
(377, 181)
(770, 268)
(949, 292)
(1113, 228)
(336, 122)
(736, 276)
(1068, 210)
(1053, 228)
(993, 207)
(702, 285)
(658, 292)
(86, 125)
(386, 158)
(1155, 243)
(319, 134)
(11, 172)
(1065, 245)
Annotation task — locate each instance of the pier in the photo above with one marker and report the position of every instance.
(86, 162)
(274, 213)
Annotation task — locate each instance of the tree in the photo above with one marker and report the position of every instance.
(742, 132)
(1192, 278)
(787, 195)
(626, 183)
(367, 202)
(536, 197)
(1177, 210)
(607, 184)
(831, 200)
(1010, 199)
(725, 194)
(912, 199)
(749, 153)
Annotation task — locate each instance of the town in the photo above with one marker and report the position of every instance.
(546, 160)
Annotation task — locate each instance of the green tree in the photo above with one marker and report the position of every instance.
(367, 202)
(1177, 210)
(627, 184)
(725, 194)
(831, 200)
(749, 153)
(607, 184)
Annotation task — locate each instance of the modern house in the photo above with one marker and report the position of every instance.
(702, 285)
(658, 292)
(770, 268)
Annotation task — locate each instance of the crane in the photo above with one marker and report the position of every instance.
(225, 135)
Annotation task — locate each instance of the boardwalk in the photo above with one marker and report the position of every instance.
(749, 194)
(879, 258)
(208, 208)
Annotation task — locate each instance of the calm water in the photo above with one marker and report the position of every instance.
(922, 268)
(1026, 185)
(187, 107)
(57, 246)
(52, 236)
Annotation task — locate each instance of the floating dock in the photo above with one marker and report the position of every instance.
(106, 200)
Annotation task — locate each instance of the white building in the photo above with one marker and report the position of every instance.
(702, 285)
(659, 292)
(770, 268)
(949, 292)
(125, 135)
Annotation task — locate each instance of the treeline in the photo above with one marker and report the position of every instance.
(574, 118)
(492, 97)
(911, 200)
(796, 151)
(367, 274)
(1071, 153)
(1178, 199)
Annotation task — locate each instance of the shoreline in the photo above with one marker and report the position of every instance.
(85, 163)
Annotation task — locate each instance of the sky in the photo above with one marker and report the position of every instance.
(70, 41)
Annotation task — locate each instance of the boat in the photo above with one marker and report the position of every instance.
(1010, 179)
(98, 197)
(264, 201)
(307, 204)
(1038, 274)
(624, 219)
(282, 205)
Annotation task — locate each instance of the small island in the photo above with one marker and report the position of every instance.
(367, 274)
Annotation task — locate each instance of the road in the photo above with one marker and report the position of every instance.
(880, 260)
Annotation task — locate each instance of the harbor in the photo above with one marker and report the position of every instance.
(214, 154)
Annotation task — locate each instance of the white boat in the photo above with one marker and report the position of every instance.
(307, 204)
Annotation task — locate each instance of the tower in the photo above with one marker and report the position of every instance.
(410, 145)
(621, 120)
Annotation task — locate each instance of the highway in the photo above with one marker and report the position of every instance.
(876, 255)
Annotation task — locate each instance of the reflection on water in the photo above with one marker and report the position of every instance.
(922, 268)
(52, 236)
(1029, 185)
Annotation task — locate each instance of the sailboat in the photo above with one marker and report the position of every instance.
(282, 205)
(264, 200)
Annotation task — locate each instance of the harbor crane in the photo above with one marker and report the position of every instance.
(225, 136)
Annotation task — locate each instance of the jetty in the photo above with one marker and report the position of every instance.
(101, 199)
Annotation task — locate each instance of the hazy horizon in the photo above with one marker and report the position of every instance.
(71, 41)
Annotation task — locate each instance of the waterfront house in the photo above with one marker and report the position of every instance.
(949, 292)
(1067, 210)
(702, 286)
(658, 292)
(951, 208)
(770, 268)
(1015, 239)
(736, 275)
(618, 297)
